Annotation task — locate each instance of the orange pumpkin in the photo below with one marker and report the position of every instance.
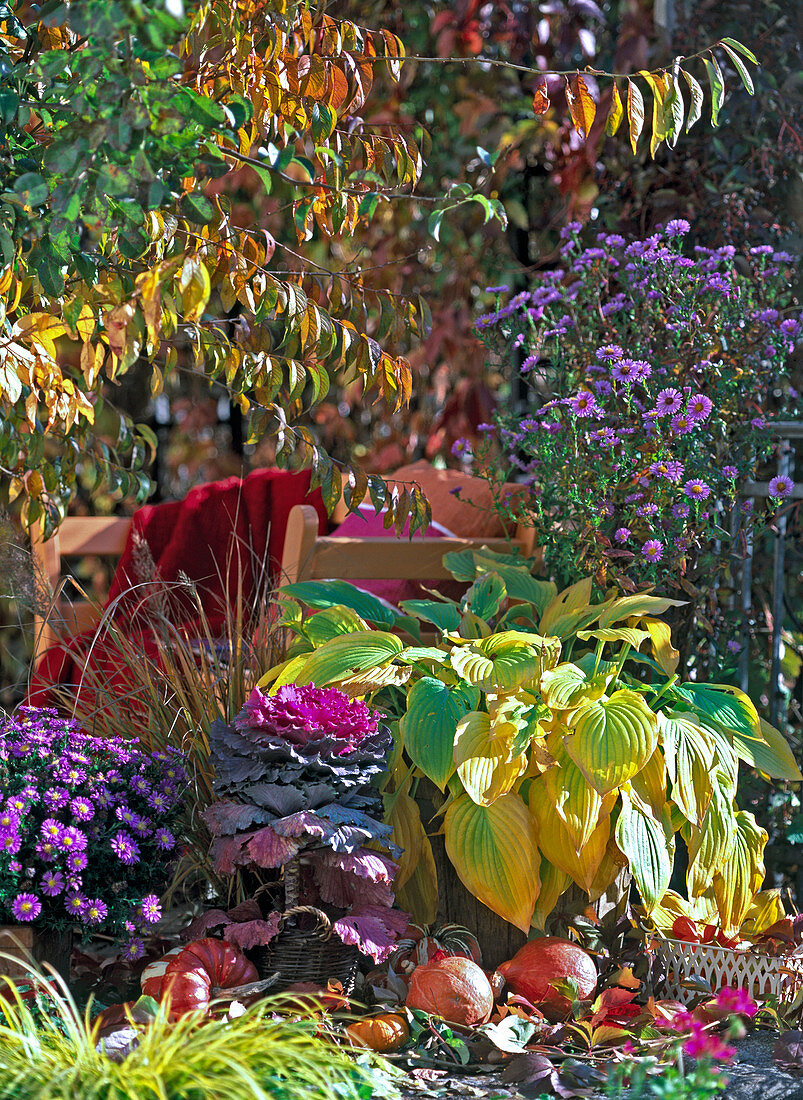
(202, 967)
(540, 962)
(454, 988)
(385, 1033)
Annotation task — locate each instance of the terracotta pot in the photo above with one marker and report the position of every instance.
(26, 941)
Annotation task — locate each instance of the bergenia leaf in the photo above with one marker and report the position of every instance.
(253, 933)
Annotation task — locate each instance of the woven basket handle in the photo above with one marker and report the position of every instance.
(324, 924)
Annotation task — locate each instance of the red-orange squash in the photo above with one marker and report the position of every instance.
(454, 988)
(152, 976)
(385, 1033)
(539, 963)
(203, 966)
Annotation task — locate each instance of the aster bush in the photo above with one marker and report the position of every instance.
(87, 826)
(294, 774)
(653, 379)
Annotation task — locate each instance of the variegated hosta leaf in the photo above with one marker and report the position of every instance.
(768, 750)
(613, 863)
(613, 739)
(740, 877)
(494, 851)
(638, 605)
(429, 724)
(570, 611)
(556, 844)
(650, 783)
(553, 883)
(340, 658)
(664, 652)
(649, 844)
(365, 682)
(578, 805)
(628, 634)
(568, 686)
(765, 909)
(332, 623)
(690, 753)
(711, 846)
(499, 663)
(486, 761)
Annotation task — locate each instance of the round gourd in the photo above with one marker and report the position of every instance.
(385, 1033)
(539, 963)
(152, 976)
(454, 988)
(203, 966)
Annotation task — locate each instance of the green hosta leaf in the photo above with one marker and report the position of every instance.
(486, 596)
(568, 686)
(649, 846)
(519, 583)
(613, 739)
(494, 851)
(717, 82)
(486, 761)
(429, 724)
(499, 663)
(446, 616)
(721, 704)
(711, 845)
(332, 593)
(690, 753)
(340, 658)
(331, 623)
(768, 751)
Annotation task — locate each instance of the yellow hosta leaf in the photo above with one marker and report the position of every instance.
(494, 851)
(649, 844)
(578, 805)
(766, 909)
(365, 682)
(419, 895)
(613, 739)
(553, 883)
(569, 601)
(341, 658)
(285, 673)
(627, 634)
(672, 905)
(664, 652)
(768, 751)
(741, 875)
(639, 605)
(484, 758)
(499, 663)
(711, 846)
(408, 832)
(690, 752)
(567, 686)
(556, 844)
(612, 865)
(650, 783)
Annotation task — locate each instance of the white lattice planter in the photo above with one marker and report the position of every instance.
(761, 975)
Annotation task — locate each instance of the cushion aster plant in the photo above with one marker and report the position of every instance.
(86, 827)
(294, 774)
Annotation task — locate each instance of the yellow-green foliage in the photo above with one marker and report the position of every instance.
(263, 1055)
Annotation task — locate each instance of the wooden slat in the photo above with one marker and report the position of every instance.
(80, 535)
(391, 559)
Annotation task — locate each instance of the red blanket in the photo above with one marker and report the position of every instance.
(220, 532)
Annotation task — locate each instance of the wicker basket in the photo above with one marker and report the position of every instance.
(761, 975)
(314, 955)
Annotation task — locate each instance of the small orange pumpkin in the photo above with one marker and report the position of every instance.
(454, 988)
(384, 1034)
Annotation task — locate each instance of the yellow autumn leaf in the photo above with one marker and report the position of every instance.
(659, 83)
(556, 844)
(419, 895)
(577, 804)
(582, 107)
(742, 874)
(553, 883)
(484, 759)
(765, 910)
(494, 850)
(711, 846)
(664, 652)
(615, 113)
(404, 818)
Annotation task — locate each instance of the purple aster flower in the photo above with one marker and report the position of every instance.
(72, 775)
(621, 534)
(646, 509)
(670, 469)
(95, 912)
(56, 798)
(150, 909)
(653, 550)
(76, 861)
(82, 809)
(15, 867)
(680, 510)
(602, 386)
(610, 353)
(730, 472)
(529, 363)
(781, 486)
(72, 840)
(631, 498)
(624, 371)
(159, 801)
(52, 883)
(696, 489)
(164, 839)
(141, 785)
(10, 843)
(122, 813)
(47, 850)
(758, 423)
(667, 402)
(125, 848)
(461, 447)
(643, 369)
(142, 826)
(699, 407)
(52, 830)
(734, 647)
(17, 804)
(75, 903)
(134, 949)
(678, 227)
(497, 289)
(26, 907)
(177, 773)
(583, 404)
(9, 821)
(681, 424)
(718, 283)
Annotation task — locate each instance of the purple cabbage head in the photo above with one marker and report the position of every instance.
(301, 713)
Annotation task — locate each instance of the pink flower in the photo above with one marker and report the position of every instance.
(705, 1045)
(736, 1000)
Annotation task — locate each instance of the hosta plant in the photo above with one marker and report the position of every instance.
(559, 731)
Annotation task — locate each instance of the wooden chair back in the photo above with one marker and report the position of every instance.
(77, 537)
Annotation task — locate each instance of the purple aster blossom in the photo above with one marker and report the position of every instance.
(134, 949)
(625, 371)
(621, 534)
(9, 820)
(610, 353)
(125, 848)
(52, 883)
(178, 773)
(51, 830)
(683, 543)
(75, 903)
(781, 486)
(26, 907)
(71, 775)
(681, 424)
(766, 315)
(529, 363)
(124, 814)
(643, 369)
(485, 320)
(82, 809)
(95, 912)
(569, 230)
(164, 839)
(670, 469)
(667, 402)
(730, 472)
(76, 862)
(734, 646)
(15, 867)
(699, 407)
(584, 404)
(142, 826)
(653, 550)
(502, 289)
(719, 283)
(759, 423)
(762, 250)
(696, 489)
(647, 510)
(160, 802)
(790, 327)
(680, 510)
(678, 227)
(631, 498)
(47, 850)
(141, 785)
(72, 840)
(17, 804)
(461, 447)
(10, 843)
(602, 386)
(150, 909)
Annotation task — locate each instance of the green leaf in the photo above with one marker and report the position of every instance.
(486, 596)
(321, 594)
(717, 83)
(32, 189)
(343, 657)
(612, 739)
(197, 208)
(499, 663)
(743, 50)
(201, 109)
(648, 845)
(446, 616)
(739, 65)
(769, 752)
(735, 713)
(429, 724)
